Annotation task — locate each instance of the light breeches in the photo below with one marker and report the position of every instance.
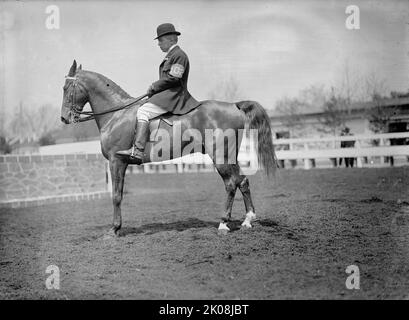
(149, 111)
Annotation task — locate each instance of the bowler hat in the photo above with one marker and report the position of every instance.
(166, 28)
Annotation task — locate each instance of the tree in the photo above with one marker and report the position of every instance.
(378, 115)
(292, 109)
(351, 86)
(46, 139)
(373, 87)
(334, 112)
(33, 123)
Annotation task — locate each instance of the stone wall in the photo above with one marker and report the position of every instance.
(38, 179)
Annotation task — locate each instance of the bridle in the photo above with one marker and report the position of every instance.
(76, 112)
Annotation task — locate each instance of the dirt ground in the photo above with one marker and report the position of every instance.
(312, 225)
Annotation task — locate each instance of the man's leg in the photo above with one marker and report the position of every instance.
(144, 114)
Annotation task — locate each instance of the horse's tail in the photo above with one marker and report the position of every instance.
(257, 118)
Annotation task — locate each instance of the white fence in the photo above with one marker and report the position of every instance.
(309, 149)
(93, 146)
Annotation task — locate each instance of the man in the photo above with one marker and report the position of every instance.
(347, 144)
(168, 94)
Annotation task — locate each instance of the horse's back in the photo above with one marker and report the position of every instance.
(211, 114)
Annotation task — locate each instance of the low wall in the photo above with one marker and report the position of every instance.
(29, 180)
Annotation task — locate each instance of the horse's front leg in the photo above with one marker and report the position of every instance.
(118, 169)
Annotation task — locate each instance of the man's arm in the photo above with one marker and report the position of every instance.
(173, 76)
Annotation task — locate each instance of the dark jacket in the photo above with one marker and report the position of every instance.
(171, 88)
(347, 144)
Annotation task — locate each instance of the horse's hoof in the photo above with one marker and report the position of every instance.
(246, 225)
(250, 216)
(223, 228)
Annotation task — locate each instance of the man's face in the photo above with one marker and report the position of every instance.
(165, 42)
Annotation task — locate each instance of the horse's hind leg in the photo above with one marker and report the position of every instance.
(230, 174)
(244, 187)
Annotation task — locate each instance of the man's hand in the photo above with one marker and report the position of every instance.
(150, 91)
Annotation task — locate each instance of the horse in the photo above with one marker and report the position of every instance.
(116, 127)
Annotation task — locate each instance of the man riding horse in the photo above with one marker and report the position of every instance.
(115, 121)
(168, 94)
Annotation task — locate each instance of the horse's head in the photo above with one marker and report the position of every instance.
(75, 95)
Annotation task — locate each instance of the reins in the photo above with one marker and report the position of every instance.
(90, 115)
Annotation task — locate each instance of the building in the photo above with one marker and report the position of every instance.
(389, 115)
(394, 111)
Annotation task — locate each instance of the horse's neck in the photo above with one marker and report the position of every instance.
(102, 103)
(103, 98)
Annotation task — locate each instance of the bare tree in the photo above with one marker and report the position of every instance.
(314, 97)
(47, 119)
(334, 113)
(378, 115)
(374, 86)
(310, 99)
(31, 124)
(291, 110)
(350, 87)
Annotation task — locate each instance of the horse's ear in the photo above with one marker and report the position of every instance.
(80, 67)
(73, 68)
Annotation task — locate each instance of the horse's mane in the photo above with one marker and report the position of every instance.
(108, 83)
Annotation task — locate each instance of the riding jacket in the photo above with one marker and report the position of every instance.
(170, 91)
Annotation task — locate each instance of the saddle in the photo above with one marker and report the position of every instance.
(165, 121)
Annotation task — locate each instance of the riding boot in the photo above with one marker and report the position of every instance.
(141, 137)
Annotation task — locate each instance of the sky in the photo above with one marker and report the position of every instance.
(271, 49)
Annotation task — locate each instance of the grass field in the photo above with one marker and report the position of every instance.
(311, 226)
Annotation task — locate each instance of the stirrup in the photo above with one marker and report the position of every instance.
(136, 154)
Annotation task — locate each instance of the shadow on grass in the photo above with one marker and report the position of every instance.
(151, 228)
(182, 225)
(190, 223)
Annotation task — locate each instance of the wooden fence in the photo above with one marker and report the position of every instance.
(307, 150)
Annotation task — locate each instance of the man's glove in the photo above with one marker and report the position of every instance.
(150, 91)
